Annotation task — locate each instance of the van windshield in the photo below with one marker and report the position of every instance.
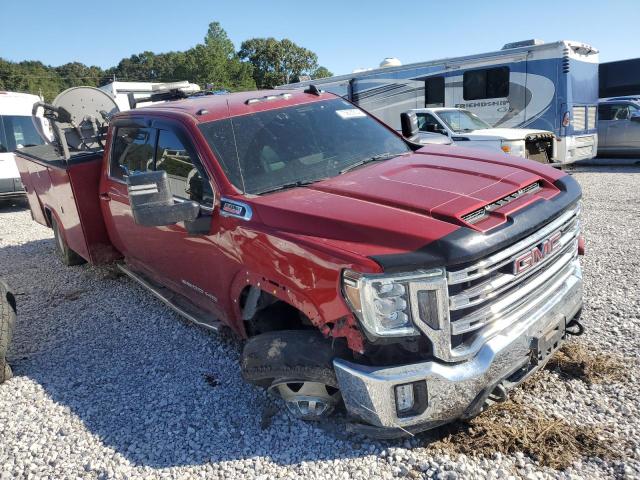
(294, 146)
(17, 131)
(462, 120)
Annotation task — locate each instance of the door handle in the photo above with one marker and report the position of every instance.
(105, 196)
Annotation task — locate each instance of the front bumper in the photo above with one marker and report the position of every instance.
(578, 147)
(460, 390)
(11, 188)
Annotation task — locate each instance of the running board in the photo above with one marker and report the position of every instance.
(175, 301)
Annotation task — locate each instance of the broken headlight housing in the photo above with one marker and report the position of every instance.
(390, 305)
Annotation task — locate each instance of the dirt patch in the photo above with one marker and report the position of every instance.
(512, 427)
(575, 360)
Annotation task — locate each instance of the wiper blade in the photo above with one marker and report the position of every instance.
(286, 186)
(375, 158)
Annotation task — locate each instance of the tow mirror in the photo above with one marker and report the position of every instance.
(152, 203)
(409, 122)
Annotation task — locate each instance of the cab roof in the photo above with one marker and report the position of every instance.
(206, 108)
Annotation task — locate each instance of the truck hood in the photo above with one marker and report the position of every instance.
(400, 205)
(501, 133)
(8, 167)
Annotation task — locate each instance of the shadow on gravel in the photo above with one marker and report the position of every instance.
(157, 391)
(576, 168)
(13, 205)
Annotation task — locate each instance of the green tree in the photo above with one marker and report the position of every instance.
(277, 62)
(216, 63)
(321, 72)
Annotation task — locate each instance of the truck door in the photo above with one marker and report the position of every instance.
(168, 254)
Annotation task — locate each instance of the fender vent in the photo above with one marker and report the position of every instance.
(481, 213)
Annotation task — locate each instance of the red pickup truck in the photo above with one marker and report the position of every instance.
(413, 285)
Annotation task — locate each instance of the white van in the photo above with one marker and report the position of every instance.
(16, 131)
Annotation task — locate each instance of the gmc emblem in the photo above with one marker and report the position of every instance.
(534, 256)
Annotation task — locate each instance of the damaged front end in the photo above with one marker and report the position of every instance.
(490, 325)
(540, 147)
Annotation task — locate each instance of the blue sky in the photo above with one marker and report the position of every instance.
(344, 34)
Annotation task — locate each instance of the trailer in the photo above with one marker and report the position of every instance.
(528, 84)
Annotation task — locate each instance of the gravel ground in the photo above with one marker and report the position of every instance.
(111, 384)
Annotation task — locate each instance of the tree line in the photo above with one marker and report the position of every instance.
(215, 64)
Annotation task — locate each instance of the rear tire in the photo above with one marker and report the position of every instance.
(7, 324)
(68, 256)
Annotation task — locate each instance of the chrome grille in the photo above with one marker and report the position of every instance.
(490, 288)
(579, 118)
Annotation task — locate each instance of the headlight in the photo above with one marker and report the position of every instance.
(513, 147)
(382, 303)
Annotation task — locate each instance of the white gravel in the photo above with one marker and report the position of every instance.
(111, 384)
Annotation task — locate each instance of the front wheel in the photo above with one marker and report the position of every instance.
(297, 366)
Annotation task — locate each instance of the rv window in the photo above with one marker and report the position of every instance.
(434, 92)
(486, 83)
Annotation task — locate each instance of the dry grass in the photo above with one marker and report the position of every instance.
(513, 427)
(574, 360)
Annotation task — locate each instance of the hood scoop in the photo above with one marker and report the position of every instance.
(483, 212)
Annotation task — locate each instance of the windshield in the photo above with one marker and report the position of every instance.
(462, 120)
(268, 150)
(17, 131)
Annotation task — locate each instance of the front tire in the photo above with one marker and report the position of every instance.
(297, 366)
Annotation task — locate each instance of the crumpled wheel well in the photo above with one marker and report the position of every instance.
(263, 312)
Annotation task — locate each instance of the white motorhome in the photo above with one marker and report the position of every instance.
(528, 84)
(120, 91)
(16, 131)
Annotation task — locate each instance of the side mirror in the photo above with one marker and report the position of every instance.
(409, 122)
(635, 117)
(152, 203)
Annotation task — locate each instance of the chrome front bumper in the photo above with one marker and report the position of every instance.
(456, 390)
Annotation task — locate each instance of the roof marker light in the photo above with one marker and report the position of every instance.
(267, 98)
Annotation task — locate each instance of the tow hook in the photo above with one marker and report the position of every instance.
(580, 245)
(499, 394)
(574, 328)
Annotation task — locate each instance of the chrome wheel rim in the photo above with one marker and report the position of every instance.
(305, 399)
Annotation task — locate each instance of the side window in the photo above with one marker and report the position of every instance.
(605, 112)
(187, 179)
(620, 112)
(434, 92)
(132, 151)
(486, 83)
(428, 123)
